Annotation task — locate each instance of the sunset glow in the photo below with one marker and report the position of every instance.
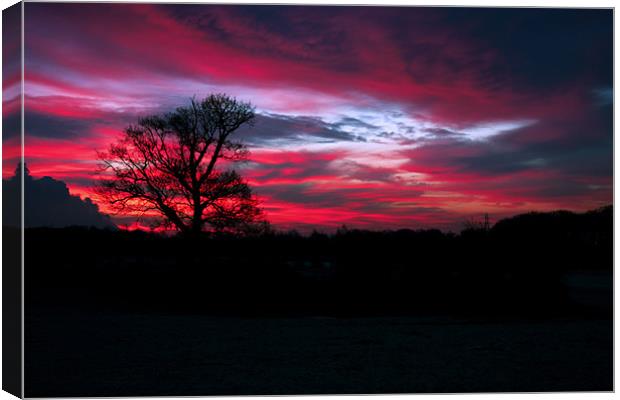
(372, 117)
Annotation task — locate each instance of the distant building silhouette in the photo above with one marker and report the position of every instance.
(48, 203)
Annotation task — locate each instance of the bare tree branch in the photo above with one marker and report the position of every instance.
(168, 164)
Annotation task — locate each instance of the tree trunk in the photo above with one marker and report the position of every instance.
(196, 227)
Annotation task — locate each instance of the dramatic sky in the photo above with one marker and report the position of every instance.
(367, 116)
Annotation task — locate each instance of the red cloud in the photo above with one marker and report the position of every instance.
(107, 64)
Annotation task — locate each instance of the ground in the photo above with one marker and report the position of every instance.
(103, 354)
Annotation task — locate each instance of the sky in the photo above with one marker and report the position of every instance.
(370, 117)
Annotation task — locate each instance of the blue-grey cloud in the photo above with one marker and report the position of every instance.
(274, 128)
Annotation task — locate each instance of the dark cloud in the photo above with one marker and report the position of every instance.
(543, 49)
(48, 203)
(582, 145)
(355, 122)
(53, 126)
(269, 128)
(442, 132)
(11, 42)
(293, 32)
(11, 126)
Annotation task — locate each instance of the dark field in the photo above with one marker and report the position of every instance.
(104, 354)
(523, 306)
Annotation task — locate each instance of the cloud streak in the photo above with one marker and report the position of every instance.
(369, 116)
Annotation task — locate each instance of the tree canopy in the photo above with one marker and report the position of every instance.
(180, 166)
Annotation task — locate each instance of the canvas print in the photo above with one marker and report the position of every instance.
(295, 199)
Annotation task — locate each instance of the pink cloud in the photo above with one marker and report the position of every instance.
(107, 64)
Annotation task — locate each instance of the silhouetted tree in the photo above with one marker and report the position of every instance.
(473, 224)
(168, 164)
